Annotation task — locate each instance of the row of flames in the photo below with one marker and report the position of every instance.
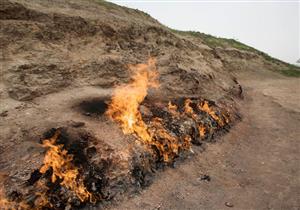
(124, 109)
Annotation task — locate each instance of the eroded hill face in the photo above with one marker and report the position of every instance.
(48, 47)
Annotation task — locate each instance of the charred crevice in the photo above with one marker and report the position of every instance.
(34, 177)
(141, 176)
(143, 169)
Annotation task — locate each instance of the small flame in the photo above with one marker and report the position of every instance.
(42, 199)
(188, 109)
(6, 204)
(60, 161)
(168, 147)
(202, 130)
(187, 106)
(173, 109)
(172, 106)
(204, 106)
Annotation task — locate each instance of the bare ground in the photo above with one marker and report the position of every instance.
(255, 166)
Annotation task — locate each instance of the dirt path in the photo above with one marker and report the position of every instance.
(255, 166)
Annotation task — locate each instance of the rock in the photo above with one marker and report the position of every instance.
(87, 114)
(77, 124)
(228, 204)
(205, 177)
(3, 114)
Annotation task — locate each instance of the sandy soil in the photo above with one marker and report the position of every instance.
(255, 166)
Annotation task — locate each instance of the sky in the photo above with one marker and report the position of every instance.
(269, 26)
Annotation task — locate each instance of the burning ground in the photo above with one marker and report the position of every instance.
(76, 171)
(96, 99)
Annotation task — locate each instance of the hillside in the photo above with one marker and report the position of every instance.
(76, 75)
(39, 36)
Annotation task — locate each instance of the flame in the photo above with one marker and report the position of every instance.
(6, 204)
(187, 106)
(42, 199)
(204, 106)
(188, 109)
(168, 145)
(226, 116)
(124, 107)
(60, 161)
(172, 107)
(202, 130)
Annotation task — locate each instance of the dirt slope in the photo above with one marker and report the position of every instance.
(254, 167)
(48, 47)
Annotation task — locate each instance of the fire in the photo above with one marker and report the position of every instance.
(204, 106)
(63, 170)
(188, 109)
(187, 106)
(6, 204)
(172, 107)
(167, 144)
(60, 162)
(202, 130)
(167, 132)
(124, 107)
(42, 199)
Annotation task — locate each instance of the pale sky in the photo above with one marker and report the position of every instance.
(269, 26)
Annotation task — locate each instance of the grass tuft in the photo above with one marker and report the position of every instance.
(290, 73)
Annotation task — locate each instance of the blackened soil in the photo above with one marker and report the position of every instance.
(94, 107)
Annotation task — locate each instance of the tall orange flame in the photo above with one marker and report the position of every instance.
(124, 107)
